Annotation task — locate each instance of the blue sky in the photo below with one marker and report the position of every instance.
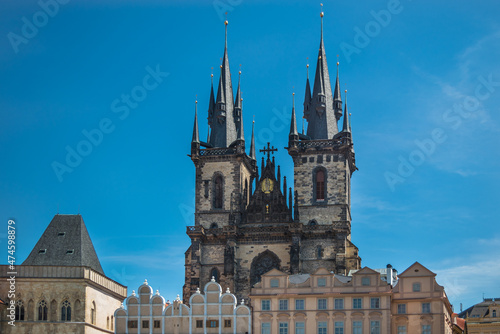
(424, 92)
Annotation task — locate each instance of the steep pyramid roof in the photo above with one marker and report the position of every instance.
(65, 242)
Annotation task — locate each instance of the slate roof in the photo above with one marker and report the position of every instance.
(479, 310)
(65, 242)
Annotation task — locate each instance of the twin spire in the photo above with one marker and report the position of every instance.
(322, 109)
(225, 115)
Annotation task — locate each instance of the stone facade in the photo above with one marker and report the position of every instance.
(247, 224)
(89, 300)
(209, 312)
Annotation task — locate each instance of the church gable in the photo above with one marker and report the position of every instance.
(268, 203)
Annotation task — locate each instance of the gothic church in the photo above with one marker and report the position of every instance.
(241, 232)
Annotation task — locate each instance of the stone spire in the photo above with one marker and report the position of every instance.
(307, 97)
(196, 136)
(337, 98)
(321, 119)
(346, 127)
(252, 143)
(293, 122)
(211, 106)
(238, 111)
(223, 125)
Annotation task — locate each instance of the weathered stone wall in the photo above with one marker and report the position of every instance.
(335, 207)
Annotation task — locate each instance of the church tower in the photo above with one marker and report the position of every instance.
(224, 177)
(241, 233)
(323, 164)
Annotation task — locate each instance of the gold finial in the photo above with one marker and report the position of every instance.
(225, 22)
(212, 71)
(239, 72)
(321, 14)
(338, 60)
(253, 119)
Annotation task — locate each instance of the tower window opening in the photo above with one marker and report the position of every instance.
(218, 192)
(320, 185)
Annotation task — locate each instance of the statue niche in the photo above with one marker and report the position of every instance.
(263, 263)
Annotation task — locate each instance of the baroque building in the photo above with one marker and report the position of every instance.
(61, 286)
(364, 302)
(240, 231)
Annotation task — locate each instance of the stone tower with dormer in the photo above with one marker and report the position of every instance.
(241, 232)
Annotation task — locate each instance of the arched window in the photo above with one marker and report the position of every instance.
(107, 323)
(247, 192)
(92, 313)
(218, 192)
(320, 185)
(215, 274)
(312, 223)
(214, 225)
(112, 322)
(19, 310)
(66, 311)
(42, 311)
(494, 313)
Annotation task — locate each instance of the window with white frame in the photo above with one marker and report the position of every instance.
(339, 327)
(357, 303)
(299, 304)
(357, 327)
(322, 304)
(375, 302)
(300, 327)
(339, 303)
(265, 328)
(322, 327)
(426, 307)
(283, 327)
(374, 327)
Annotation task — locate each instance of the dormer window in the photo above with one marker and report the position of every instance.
(70, 251)
(61, 234)
(42, 251)
(416, 287)
(494, 313)
(365, 281)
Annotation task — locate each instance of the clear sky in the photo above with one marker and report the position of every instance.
(424, 92)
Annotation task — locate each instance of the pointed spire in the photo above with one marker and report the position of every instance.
(307, 97)
(284, 187)
(211, 106)
(196, 137)
(322, 123)
(238, 114)
(337, 98)
(223, 124)
(293, 122)
(346, 127)
(252, 143)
